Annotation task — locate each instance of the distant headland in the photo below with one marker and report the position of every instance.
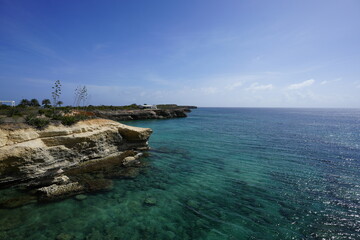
(33, 114)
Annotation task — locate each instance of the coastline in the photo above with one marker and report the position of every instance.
(125, 115)
(61, 161)
(52, 161)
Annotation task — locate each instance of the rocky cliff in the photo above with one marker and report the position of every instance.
(124, 115)
(58, 160)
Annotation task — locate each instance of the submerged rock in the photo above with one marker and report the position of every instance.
(98, 185)
(151, 201)
(19, 201)
(64, 236)
(10, 222)
(193, 204)
(80, 197)
(170, 235)
(94, 235)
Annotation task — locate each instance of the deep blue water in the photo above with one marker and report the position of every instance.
(222, 173)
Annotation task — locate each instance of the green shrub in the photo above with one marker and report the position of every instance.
(42, 111)
(66, 109)
(70, 120)
(37, 122)
(49, 113)
(14, 111)
(3, 106)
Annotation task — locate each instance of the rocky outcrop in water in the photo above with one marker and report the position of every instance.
(59, 160)
(124, 115)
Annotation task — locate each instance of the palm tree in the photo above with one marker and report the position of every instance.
(46, 103)
(34, 102)
(24, 102)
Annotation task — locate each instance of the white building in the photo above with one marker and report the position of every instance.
(146, 106)
(12, 103)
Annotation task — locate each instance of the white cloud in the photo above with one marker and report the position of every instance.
(303, 84)
(330, 81)
(234, 85)
(324, 82)
(256, 86)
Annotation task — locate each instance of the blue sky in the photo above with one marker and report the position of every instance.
(206, 53)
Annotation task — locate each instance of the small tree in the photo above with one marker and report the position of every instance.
(34, 102)
(46, 103)
(24, 103)
(56, 92)
(59, 103)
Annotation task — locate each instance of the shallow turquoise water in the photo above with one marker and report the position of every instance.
(236, 173)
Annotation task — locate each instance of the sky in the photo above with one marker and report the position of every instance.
(209, 53)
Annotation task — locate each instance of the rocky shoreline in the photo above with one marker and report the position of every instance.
(61, 161)
(125, 115)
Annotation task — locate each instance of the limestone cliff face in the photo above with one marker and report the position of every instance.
(29, 154)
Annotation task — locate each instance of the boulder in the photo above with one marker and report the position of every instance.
(55, 191)
(129, 161)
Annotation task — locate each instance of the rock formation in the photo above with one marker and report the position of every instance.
(54, 159)
(124, 115)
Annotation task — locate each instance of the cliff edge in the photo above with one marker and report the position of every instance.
(52, 159)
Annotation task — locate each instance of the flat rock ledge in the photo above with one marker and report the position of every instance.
(62, 161)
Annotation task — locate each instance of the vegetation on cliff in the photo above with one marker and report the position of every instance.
(40, 116)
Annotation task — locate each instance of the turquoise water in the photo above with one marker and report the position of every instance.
(236, 173)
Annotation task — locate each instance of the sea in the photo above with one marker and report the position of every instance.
(221, 173)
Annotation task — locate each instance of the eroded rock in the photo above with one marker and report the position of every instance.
(55, 191)
(62, 161)
(128, 161)
(29, 154)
